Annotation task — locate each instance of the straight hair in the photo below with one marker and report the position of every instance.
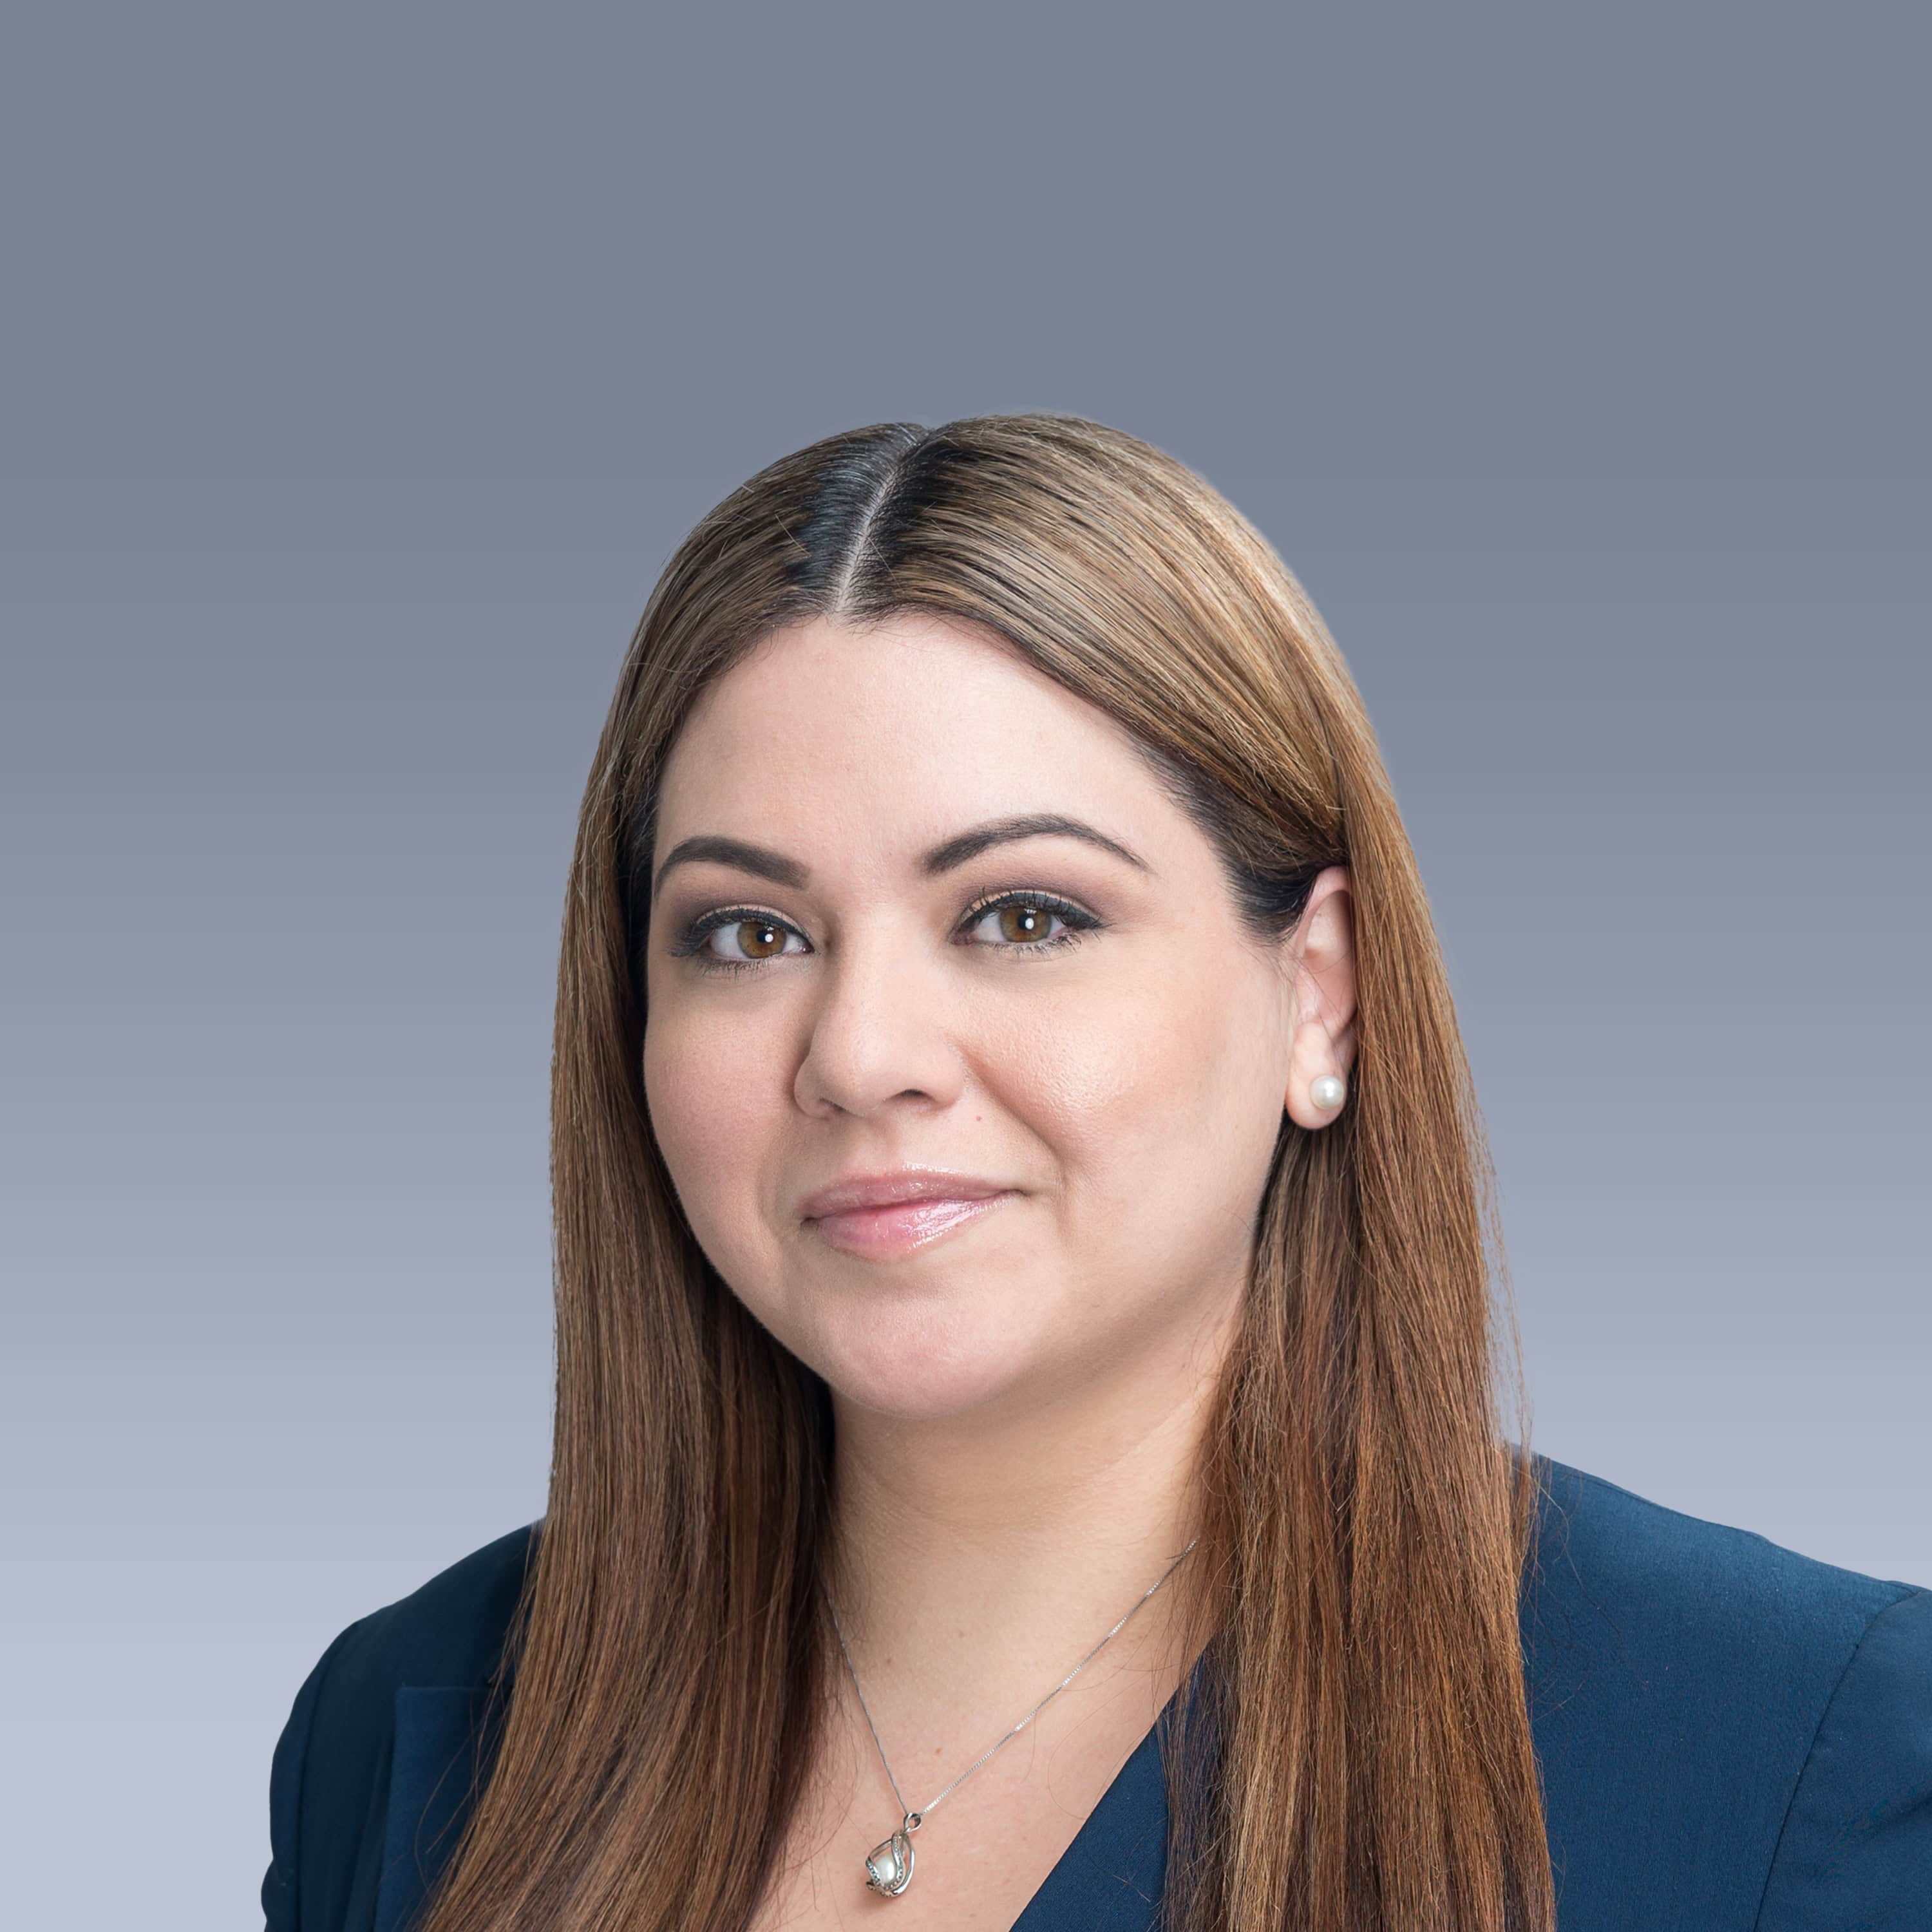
(1360, 1757)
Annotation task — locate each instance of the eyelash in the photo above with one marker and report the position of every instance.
(691, 944)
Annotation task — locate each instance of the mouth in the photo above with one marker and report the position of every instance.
(879, 1231)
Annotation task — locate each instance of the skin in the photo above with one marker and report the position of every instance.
(1017, 1405)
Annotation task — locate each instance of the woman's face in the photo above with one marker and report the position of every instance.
(1082, 1032)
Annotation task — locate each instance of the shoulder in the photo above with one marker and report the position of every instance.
(1725, 1719)
(1680, 1582)
(334, 1750)
(449, 1629)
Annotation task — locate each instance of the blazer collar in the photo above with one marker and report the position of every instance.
(1111, 1875)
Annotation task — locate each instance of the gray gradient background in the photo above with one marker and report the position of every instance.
(361, 370)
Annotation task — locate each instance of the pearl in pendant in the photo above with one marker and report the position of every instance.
(889, 1865)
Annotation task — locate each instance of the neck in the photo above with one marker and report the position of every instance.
(979, 1557)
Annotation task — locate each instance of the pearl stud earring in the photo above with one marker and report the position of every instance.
(1327, 1092)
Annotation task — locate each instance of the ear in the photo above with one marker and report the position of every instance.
(1322, 960)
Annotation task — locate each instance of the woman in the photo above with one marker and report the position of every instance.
(1027, 1445)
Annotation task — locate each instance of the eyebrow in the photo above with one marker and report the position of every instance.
(944, 857)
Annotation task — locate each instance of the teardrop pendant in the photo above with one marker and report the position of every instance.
(889, 1865)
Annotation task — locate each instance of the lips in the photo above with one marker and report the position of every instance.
(879, 1216)
(893, 1190)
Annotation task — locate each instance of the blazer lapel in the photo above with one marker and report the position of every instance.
(432, 1784)
(1110, 1875)
(1110, 1879)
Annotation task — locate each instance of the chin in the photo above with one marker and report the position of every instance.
(923, 1362)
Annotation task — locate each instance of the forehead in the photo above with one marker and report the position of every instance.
(893, 736)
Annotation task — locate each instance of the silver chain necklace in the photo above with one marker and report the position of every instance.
(889, 1864)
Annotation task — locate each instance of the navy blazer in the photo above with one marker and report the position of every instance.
(1732, 1737)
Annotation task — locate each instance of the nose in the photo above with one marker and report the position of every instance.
(883, 1025)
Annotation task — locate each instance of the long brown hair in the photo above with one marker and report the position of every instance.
(1366, 1760)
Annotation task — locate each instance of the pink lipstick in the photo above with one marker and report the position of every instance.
(878, 1216)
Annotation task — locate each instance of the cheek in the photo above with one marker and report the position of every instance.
(1137, 1070)
(1160, 1103)
(713, 1116)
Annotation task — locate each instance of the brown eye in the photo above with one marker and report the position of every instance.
(1022, 922)
(754, 937)
(757, 938)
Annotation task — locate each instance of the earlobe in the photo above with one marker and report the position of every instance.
(1324, 995)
